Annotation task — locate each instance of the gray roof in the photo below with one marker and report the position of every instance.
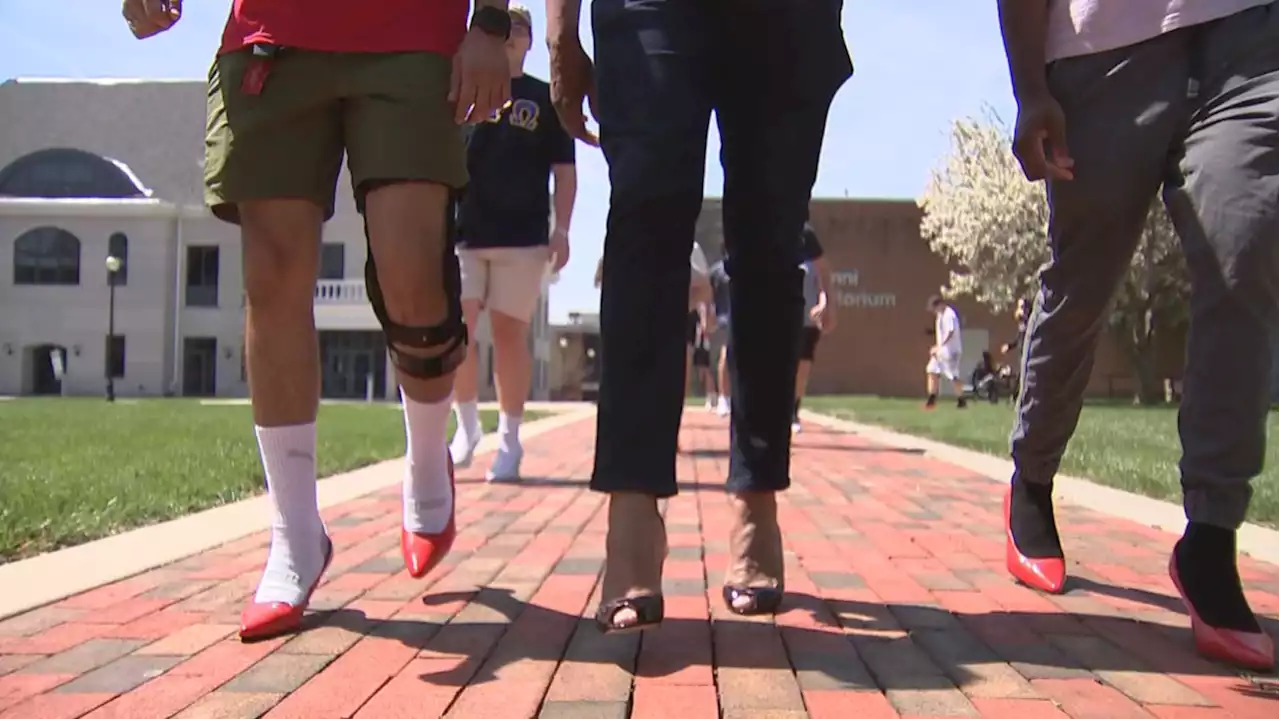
(156, 128)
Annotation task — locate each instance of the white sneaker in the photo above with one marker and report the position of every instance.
(463, 447)
(506, 465)
(722, 407)
(795, 427)
(711, 402)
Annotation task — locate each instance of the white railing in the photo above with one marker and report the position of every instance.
(340, 292)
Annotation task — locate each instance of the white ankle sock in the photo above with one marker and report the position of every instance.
(297, 550)
(428, 498)
(468, 414)
(509, 431)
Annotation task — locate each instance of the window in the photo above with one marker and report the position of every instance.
(202, 276)
(67, 172)
(333, 261)
(115, 356)
(118, 247)
(46, 256)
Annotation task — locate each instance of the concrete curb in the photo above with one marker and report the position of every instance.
(1258, 542)
(49, 577)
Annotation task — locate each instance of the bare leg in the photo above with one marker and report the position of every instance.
(513, 374)
(466, 389)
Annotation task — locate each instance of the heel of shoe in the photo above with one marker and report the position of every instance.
(1047, 574)
(755, 578)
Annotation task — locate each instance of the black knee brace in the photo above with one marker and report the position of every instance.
(451, 333)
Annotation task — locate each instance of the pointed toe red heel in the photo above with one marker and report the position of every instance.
(264, 620)
(1249, 650)
(422, 552)
(1047, 574)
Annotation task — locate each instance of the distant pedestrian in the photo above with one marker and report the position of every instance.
(944, 356)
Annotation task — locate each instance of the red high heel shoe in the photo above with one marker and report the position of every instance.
(1048, 574)
(1250, 650)
(422, 552)
(263, 620)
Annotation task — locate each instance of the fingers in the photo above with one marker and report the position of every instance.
(1060, 164)
(464, 96)
(591, 138)
(455, 79)
(157, 13)
(562, 257)
(1029, 149)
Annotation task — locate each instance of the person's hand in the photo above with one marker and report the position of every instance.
(826, 319)
(822, 315)
(1004, 348)
(1042, 126)
(572, 81)
(559, 249)
(481, 81)
(150, 17)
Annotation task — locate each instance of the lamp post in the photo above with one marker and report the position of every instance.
(113, 268)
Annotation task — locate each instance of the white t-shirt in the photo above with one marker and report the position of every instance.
(947, 322)
(1085, 27)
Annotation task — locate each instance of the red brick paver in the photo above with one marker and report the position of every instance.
(898, 606)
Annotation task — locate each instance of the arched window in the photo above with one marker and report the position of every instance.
(46, 256)
(65, 172)
(118, 247)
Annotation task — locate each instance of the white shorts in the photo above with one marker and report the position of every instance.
(947, 365)
(504, 279)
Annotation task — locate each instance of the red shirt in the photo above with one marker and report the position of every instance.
(435, 26)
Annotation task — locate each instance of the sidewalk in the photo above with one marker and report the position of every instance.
(897, 605)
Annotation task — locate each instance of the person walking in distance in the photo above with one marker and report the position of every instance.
(701, 359)
(1117, 101)
(944, 356)
(769, 70)
(504, 245)
(720, 303)
(289, 93)
(819, 315)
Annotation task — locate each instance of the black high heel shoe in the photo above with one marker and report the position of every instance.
(636, 544)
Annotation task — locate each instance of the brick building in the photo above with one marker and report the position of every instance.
(882, 273)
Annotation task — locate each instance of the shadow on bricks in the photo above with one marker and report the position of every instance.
(832, 643)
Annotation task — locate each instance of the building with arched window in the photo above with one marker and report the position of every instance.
(113, 168)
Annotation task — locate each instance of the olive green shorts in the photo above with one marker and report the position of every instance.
(389, 112)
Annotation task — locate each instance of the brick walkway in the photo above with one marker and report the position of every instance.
(898, 605)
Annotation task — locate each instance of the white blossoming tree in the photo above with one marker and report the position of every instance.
(984, 218)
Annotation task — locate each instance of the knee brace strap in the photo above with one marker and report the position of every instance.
(451, 334)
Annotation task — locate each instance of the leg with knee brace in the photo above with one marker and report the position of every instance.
(450, 334)
(429, 528)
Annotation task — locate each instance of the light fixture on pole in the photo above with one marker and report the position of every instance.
(113, 269)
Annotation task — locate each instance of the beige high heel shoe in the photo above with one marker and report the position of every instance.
(754, 580)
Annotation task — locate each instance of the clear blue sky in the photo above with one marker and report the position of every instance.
(919, 65)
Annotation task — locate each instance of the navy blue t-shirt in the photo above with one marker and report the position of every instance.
(507, 202)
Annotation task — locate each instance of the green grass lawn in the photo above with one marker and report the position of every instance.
(73, 470)
(1131, 448)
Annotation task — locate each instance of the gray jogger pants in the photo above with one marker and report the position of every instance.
(1192, 113)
